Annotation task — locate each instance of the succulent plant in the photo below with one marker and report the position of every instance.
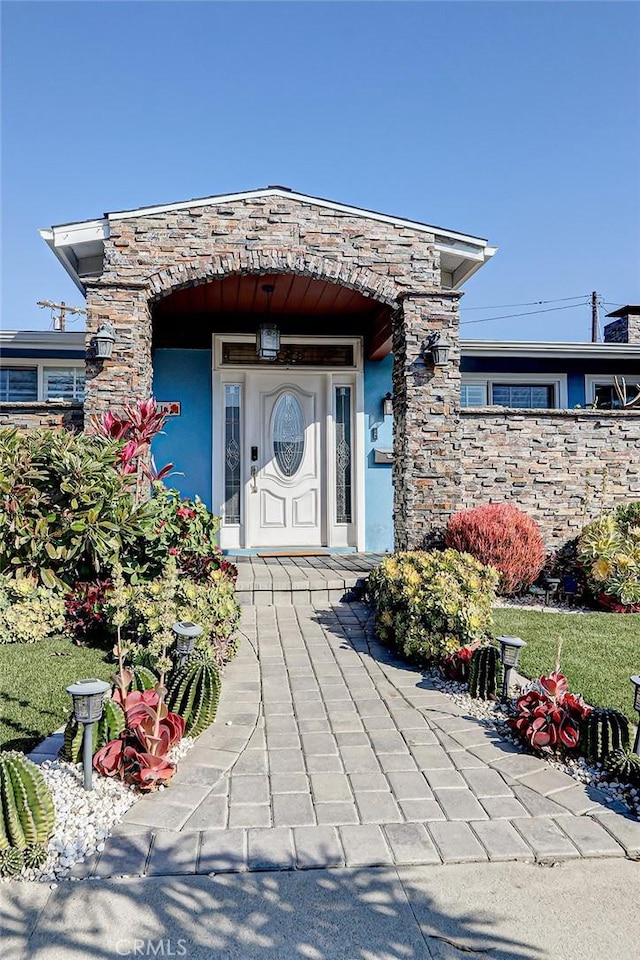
(624, 765)
(483, 672)
(142, 678)
(11, 861)
(603, 732)
(26, 806)
(35, 855)
(194, 691)
(108, 727)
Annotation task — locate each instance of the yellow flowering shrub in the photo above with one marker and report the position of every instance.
(29, 611)
(429, 604)
(609, 550)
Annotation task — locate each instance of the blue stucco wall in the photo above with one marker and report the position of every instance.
(378, 483)
(185, 375)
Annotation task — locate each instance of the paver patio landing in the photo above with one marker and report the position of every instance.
(329, 751)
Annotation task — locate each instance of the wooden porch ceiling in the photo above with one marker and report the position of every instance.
(293, 296)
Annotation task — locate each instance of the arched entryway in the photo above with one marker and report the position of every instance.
(278, 447)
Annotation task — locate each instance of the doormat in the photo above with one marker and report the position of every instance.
(295, 553)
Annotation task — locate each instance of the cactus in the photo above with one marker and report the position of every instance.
(28, 816)
(143, 678)
(483, 673)
(624, 765)
(108, 727)
(602, 733)
(194, 691)
(35, 856)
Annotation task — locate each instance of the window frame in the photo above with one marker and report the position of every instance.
(594, 380)
(39, 364)
(488, 380)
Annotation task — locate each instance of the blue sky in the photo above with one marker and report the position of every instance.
(519, 122)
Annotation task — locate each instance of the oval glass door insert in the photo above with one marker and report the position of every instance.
(288, 434)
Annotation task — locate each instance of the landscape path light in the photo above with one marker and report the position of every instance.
(635, 680)
(88, 701)
(186, 634)
(510, 648)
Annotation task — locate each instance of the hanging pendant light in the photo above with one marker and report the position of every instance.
(268, 334)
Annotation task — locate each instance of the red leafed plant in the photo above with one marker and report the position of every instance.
(502, 536)
(85, 607)
(139, 755)
(456, 665)
(138, 424)
(548, 716)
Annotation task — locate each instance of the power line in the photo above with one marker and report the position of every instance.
(529, 313)
(528, 303)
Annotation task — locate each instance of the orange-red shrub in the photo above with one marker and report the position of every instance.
(503, 536)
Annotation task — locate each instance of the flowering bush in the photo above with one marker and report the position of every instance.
(430, 604)
(548, 717)
(609, 549)
(29, 611)
(187, 531)
(502, 536)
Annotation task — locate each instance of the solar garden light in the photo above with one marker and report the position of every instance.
(510, 648)
(635, 680)
(88, 700)
(186, 633)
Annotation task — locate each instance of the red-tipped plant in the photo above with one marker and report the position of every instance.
(548, 716)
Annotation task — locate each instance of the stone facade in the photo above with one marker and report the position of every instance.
(623, 330)
(50, 413)
(150, 256)
(562, 467)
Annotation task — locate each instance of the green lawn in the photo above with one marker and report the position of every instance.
(33, 677)
(599, 654)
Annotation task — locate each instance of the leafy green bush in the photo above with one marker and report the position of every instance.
(430, 604)
(609, 549)
(29, 611)
(66, 513)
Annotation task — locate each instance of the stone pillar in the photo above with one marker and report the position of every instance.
(626, 329)
(128, 374)
(426, 403)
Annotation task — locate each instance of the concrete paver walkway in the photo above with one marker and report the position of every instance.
(328, 751)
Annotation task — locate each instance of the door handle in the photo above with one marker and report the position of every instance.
(254, 479)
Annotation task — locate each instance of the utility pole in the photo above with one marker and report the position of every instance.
(60, 321)
(594, 317)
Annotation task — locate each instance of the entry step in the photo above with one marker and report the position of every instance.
(298, 580)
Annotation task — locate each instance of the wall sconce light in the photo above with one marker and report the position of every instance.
(268, 335)
(88, 700)
(436, 348)
(103, 341)
(510, 648)
(186, 633)
(387, 405)
(635, 680)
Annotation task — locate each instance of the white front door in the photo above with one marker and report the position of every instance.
(285, 442)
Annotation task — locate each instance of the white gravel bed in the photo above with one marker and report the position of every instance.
(491, 714)
(529, 602)
(84, 819)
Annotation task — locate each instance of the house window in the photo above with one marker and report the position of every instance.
(18, 384)
(232, 453)
(473, 394)
(343, 455)
(606, 396)
(524, 396)
(63, 383)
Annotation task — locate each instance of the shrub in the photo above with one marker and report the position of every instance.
(430, 604)
(187, 531)
(152, 605)
(609, 549)
(85, 606)
(28, 611)
(66, 513)
(502, 536)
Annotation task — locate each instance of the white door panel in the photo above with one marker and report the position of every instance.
(286, 422)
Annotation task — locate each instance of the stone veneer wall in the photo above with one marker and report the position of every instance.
(29, 416)
(560, 466)
(623, 330)
(149, 256)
